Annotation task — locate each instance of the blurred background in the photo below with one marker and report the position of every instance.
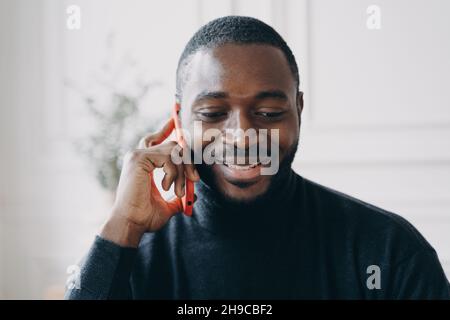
(80, 81)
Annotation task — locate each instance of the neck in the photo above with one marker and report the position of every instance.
(217, 214)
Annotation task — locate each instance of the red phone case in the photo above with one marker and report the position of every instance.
(188, 198)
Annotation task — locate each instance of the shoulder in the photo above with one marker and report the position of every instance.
(361, 221)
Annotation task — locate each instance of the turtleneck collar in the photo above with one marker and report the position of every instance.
(268, 214)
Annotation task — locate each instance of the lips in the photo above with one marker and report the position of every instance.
(241, 173)
(242, 167)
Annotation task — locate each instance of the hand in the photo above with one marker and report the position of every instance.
(139, 206)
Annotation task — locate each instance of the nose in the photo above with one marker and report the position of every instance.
(237, 130)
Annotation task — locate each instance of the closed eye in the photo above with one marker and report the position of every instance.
(270, 114)
(211, 116)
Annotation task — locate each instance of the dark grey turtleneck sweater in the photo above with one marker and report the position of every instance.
(305, 241)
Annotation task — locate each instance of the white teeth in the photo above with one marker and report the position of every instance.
(232, 166)
(242, 167)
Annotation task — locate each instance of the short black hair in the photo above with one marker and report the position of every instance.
(233, 29)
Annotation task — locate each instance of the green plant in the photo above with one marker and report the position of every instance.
(117, 126)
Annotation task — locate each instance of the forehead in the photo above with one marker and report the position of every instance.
(240, 70)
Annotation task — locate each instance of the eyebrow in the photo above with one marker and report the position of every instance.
(273, 94)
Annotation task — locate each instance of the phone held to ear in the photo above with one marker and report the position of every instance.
(188, 198)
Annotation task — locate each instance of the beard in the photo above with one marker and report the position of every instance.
(276, 181)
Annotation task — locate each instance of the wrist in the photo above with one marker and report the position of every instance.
(121, 231)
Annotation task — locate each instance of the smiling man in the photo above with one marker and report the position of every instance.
(251, 236)
(241, 87)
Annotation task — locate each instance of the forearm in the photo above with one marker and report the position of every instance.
(105, 272)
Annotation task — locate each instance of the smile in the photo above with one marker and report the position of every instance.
(242, 167)
(241, 173)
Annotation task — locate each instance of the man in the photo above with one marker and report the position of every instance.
(251, 236)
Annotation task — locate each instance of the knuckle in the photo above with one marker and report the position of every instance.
(147, 140)
(142, 143)
(180, 169)
(133, 155)
(164, 148)
(171, 171)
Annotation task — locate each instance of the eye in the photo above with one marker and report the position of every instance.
(211, 115)
(270, 115)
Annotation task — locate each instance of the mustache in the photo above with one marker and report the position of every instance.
(277, 181)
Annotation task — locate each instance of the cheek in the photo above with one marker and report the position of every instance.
(200, 139)
(287, 136)
(203, 134)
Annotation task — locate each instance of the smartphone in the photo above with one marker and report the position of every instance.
(188, 198)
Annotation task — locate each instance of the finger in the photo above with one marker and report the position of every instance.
(189, 167)
(171, 173)
(157, 155)
(140, 159)
(162, 134)
(191, 172)
(180, 181)
(157, 137)
(143, 143)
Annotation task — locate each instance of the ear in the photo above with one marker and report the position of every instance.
(176, 111)
(177, 106)
(177, 98)
(299, 105)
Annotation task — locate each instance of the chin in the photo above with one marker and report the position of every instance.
(240, 189)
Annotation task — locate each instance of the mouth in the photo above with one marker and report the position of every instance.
(237, 173)
(242, 166)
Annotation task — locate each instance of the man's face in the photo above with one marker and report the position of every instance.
(241, 87)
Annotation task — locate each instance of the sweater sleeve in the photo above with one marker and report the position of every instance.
(105, 273)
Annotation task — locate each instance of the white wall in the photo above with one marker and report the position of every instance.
(7, 120)
(376, 122)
